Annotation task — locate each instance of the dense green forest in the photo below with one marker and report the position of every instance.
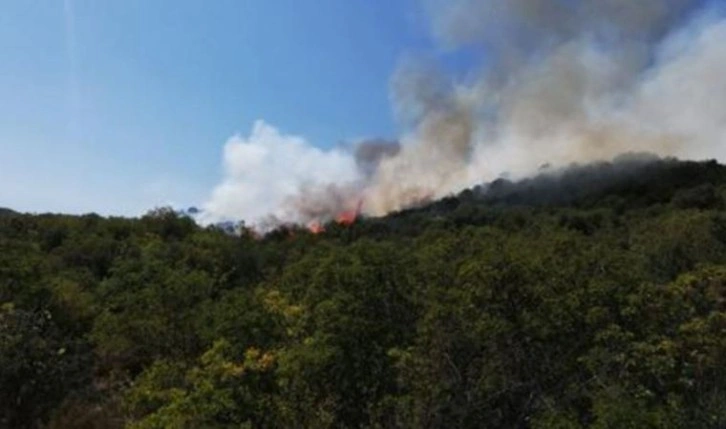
(590, 298)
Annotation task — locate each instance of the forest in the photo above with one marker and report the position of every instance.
(593, 297)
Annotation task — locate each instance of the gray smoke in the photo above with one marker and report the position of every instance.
(533, 26)
(369, 154)
(321, 203)
(564, 81)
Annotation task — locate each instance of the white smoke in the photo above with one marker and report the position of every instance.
(565, 81)
(577, 107)
(686, 96)
(264, 171)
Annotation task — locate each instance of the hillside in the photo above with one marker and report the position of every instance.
(593, 296)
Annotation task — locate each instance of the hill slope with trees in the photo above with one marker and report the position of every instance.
(593, 297)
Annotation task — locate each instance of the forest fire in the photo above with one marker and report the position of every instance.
(348, 217)
(345, 218)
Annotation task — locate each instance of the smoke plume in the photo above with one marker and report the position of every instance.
(370, 153)
(267, 173)
(560, 81)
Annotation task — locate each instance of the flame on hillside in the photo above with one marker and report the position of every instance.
(344, 218)
(348, 217)
(316, 227)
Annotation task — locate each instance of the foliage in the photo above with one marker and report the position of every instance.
(595, 298)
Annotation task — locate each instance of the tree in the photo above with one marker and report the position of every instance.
(39, 366)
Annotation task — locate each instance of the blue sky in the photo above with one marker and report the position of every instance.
(115, 107)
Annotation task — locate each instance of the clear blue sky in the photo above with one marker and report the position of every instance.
(113, 106)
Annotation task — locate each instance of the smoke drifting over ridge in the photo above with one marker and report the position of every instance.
(563, 81)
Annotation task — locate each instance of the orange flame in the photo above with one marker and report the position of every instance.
(345, 218)
(316, 227)
(349, 217)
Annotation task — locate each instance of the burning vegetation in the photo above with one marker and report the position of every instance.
(344, 218)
